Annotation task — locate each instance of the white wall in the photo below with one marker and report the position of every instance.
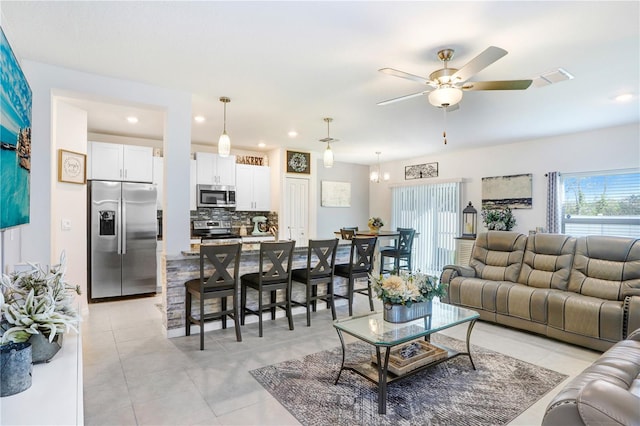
(604, 149)
(47, 82)
(331, 219)
(68, 200)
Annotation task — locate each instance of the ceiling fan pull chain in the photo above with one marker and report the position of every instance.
(444, 133)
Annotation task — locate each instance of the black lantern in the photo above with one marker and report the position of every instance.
(469, 221)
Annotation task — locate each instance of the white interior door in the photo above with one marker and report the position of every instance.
(296, 220)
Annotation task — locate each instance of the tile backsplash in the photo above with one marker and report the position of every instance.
(237, 218)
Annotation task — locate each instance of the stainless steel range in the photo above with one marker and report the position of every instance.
(214, 232)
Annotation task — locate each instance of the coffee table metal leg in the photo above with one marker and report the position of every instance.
(382, 380)
(471, 324)
(343, 352)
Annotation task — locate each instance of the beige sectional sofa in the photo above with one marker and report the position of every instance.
(584, 291)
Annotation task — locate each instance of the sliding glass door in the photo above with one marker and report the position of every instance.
(434, 212)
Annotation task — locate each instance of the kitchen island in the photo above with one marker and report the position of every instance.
(186, 266)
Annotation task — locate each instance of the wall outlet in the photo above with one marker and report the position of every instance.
(66, 224)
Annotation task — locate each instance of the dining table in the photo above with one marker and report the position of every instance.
(385, 239)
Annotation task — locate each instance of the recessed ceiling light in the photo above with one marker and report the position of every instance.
(199, 119)
(624, 97)
(131, 119)
(261, 144)
(292, 133)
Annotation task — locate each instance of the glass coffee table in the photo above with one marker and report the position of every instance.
(373, 329)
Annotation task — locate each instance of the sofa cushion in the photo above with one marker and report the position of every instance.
(586, 316)
(497, 255)
(547, 261)
(606, 267)
(478, 293)
(521, 301)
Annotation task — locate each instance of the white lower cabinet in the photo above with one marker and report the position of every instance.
(253, 188)
(464, 248)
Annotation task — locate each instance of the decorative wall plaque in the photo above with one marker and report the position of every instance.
(298, 162)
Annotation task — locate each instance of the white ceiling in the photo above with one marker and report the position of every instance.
(286, 65)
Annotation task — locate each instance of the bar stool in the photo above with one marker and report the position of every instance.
(274, 274)
(220, 285)
(359, 266)
(400, 251)
(321, 261)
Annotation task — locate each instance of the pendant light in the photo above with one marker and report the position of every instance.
(375, 175)
(328, 153)
(224, 143)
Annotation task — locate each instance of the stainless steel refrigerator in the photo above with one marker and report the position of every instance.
(122, 239)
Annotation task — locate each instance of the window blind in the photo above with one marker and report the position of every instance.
(601, 203)
(434, 212)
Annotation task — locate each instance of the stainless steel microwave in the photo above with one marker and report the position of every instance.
(216, 196)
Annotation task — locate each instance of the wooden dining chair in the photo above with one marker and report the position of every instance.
(274, 274)
(401, 251)
(359, 266)
(321, 261)
(221, 284)
(348, 233)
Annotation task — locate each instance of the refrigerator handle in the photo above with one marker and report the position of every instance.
(124, 227)
(118, 227)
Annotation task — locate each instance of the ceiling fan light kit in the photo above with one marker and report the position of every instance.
(327, 158)
(445, 97)
(224, 143)
(445, 85)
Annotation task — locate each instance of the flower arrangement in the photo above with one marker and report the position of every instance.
(375, 222)
(498, 219)
(407, 288)
(36, 302)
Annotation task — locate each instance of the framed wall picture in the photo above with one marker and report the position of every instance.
(420, 171)
(72, 167)
(298, 162)
(335, 194)
(513, 191)
(15, 140)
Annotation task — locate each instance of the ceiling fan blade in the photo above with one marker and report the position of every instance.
(402, 74)
(402, 98)
(497, 85)
(477, 64)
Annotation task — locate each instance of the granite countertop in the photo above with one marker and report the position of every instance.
(250, 248)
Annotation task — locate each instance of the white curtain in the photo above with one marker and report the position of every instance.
(434, 211)
(553, 203)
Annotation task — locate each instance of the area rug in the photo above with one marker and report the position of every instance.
(450, 393)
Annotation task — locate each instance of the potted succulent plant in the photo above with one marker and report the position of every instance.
(38, 309)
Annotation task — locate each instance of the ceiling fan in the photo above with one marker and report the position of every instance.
(445, 86)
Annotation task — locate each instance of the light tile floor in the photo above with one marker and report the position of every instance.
(134, 375)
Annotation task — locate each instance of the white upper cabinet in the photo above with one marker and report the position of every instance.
(138, 163)
(253, 188)
(121, 162)
(211, 169)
